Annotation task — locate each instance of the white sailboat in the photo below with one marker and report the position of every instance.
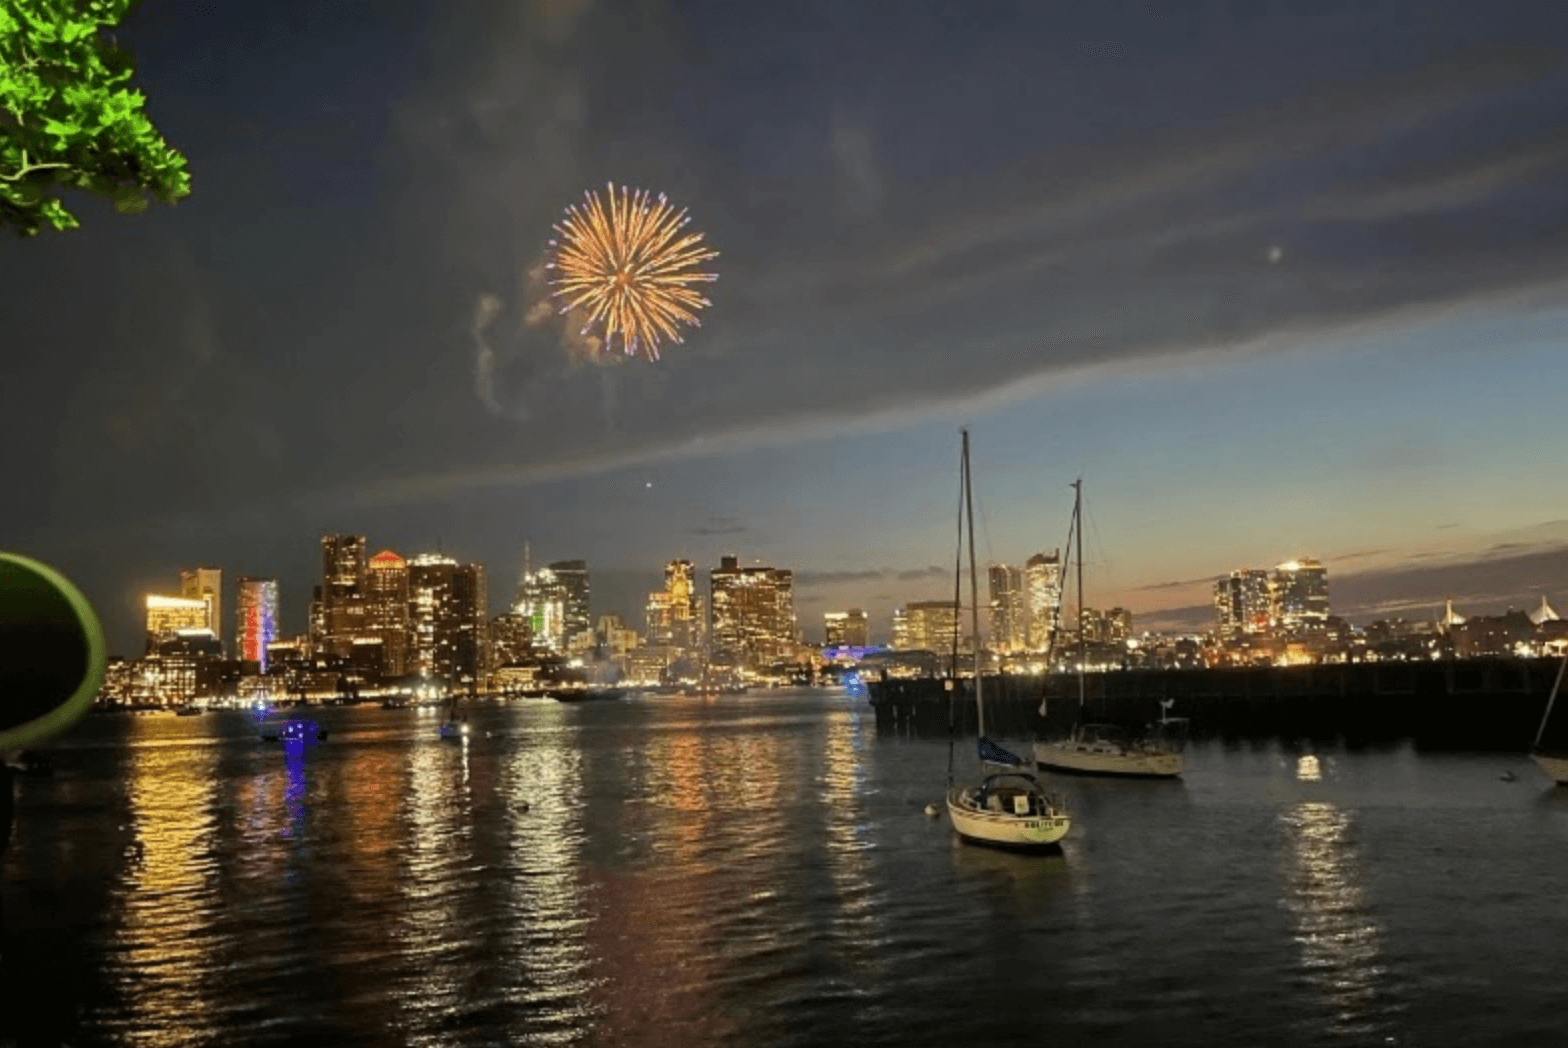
(1008, 809)
(1104, 749)
(1554, 764)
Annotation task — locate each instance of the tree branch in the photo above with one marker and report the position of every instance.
(28, 169)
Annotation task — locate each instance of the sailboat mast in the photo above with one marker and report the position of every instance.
(1550, 700)
(1078, 530)
(974, 585)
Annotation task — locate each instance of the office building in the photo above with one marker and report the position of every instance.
(1243, 603)
(845, 629)
(571, 577)
(1042, 579)
(1009, 610)
(168, 616)
(387, 612)
(753, 613)
(1299, 589)
(448, 618)
(542, 599)
(343, 581)
(206, 584)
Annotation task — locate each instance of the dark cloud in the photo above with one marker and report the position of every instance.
(1176, 584)
(920, 574)
(1481, 584)
(718, 526)
(808, 579)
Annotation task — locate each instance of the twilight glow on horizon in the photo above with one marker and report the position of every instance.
(1288, 284)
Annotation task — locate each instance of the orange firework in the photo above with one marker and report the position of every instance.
(628, 264)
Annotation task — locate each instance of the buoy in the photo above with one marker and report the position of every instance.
(933, 811)
(1507, 776)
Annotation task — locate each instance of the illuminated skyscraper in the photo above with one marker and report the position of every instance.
(674, 613)
(509, 640)
(1043, 598)
(753, 613)
(900, 640)
(257, 619)
(342, 591)
(429, 601)
(448, 613)
(928, 625)
(169, 616)
(845, 629)
(1009, 609)
(576, 600)
(542, 599)
(1300, 595)
(1243, 603)
(387, 611)
(206, 584)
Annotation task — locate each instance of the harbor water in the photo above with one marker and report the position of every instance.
(757, 869)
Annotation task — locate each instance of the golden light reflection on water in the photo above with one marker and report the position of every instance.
(1308, 768)
(541, 791)
(430, 935)
(1337, 937)
(166, 925)
(858, 919)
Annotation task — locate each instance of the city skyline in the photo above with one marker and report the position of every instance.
(1285, 286)
(1289, 595)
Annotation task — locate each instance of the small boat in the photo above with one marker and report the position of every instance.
(1104, 749)
(1008, 809)
(453, 729)
(189, 711)
(1553, 762)
(296, 731)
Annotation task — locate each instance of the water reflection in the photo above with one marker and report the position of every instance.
(165, 939)
(543, 940)
(431, 935)
(1334, 930)
(857, 920)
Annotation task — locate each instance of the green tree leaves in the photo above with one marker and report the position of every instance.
(70, 120)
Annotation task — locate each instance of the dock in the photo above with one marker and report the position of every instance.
(1458, 704)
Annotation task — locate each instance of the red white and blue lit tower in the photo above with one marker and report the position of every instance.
(258, 618)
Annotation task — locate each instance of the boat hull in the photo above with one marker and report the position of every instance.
(1134, 764)
(1005, 830)
(1556, 768)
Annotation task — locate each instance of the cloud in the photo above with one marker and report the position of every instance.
(853, 152)
(808, 579)
(1508, 573)
(1076, 264)
(920, 574)
(1181, 584)
(718, 526)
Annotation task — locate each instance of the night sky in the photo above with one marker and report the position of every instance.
(1277, 279)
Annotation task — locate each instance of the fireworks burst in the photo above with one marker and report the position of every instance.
(630, 266)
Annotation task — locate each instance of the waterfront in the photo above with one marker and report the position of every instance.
(756, 869)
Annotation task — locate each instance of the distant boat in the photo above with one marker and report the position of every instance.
(1008, 809)
(189, 711)
(1553, 762)
(1104, 749)
(296, 731)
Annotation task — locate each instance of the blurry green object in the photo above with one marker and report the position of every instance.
(52, 655)
(69, 120)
